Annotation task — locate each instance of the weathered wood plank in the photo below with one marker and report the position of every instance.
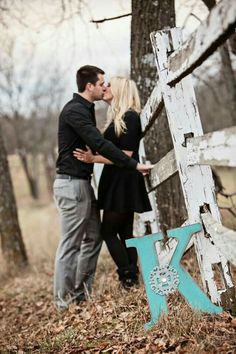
(147, 223)
(163, 169)
(216, 148)
(203, 42)
(166, 251)
(151, 109)
(197, 183)
(224, 238)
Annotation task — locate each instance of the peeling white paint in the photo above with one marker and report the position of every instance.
(224, 238)
(210, 31)
(154, 103)
(217, 148)
(163, 169)
(197, 182)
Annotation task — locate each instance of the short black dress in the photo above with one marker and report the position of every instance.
(122, 190)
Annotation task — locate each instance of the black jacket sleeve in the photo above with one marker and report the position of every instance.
(85, 128)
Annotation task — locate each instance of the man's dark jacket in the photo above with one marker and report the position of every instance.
(77, 128)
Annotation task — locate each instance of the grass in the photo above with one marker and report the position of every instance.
(112, 320)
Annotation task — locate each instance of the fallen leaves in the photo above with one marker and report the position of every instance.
(110, 322)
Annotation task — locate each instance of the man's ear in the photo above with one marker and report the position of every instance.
(89, 86)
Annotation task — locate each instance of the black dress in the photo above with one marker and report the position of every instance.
(122, 190)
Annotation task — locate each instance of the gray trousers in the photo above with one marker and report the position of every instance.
(80, 243)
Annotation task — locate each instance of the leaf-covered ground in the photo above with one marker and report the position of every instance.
(110, 322)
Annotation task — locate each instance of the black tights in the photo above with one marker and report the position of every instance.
(114, 224)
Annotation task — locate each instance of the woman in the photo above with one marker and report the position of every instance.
(121, 192)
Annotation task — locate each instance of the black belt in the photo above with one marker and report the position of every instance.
(59, 176)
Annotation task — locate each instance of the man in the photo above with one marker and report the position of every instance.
(80, 243)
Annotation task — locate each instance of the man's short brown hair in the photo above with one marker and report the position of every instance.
(85, 74)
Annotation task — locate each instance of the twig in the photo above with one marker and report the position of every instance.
(110, 18)
(228, 195)
(232, 212)
(189, 14)
(229, 209)
(196, 17)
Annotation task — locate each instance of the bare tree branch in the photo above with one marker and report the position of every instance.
(229, 209)
(196, 17)
(189, 14)
(210, 4)
(111, 18)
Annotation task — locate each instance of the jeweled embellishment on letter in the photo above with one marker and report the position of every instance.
(164, 280)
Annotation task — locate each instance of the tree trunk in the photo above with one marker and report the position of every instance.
(11, 239)
(149, 16)
(49, 159)
(31, 180)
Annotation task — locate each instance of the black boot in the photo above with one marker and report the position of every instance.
(128, 276)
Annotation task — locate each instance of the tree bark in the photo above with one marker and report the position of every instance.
(149, 16)
(49, 160)
(11, 239)
(31, 180)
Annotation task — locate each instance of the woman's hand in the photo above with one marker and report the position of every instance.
(84, 156)
(144, 169)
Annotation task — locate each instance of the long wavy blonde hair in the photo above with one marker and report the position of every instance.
(125, 97)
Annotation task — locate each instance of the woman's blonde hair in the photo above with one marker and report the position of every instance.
(125, 97)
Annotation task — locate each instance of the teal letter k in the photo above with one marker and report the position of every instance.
(161, 281)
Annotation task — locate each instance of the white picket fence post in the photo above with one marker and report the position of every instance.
(197, 182)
